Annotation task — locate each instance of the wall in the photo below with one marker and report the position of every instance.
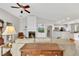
(44, 21)
(22, 24)
(7, 17)
(31, 23)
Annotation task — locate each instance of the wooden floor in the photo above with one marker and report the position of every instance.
(46, 49)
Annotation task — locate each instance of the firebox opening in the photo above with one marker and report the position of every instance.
(31, 34)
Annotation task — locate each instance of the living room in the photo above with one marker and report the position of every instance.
(47, 24)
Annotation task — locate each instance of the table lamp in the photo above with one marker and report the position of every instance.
(9, 31)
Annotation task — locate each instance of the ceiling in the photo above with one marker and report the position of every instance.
(48, 11)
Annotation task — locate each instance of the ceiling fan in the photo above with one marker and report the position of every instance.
(23, 7)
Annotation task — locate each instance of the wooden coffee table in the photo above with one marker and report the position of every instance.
(37, 49)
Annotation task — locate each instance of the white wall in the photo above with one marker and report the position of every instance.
(22, 24)
(31, 23)
(7, 17)
(44, 21)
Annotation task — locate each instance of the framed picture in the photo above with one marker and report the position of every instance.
(40, 28)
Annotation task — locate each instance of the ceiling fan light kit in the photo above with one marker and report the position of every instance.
(21, 11)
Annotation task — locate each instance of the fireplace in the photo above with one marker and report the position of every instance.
(31, 34)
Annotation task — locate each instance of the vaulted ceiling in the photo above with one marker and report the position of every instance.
(49, 11)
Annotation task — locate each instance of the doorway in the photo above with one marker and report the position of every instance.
(49, 31)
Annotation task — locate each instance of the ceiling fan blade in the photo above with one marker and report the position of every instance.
(27, 6)
(27, 11)
(19, 5)
(14, 7)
